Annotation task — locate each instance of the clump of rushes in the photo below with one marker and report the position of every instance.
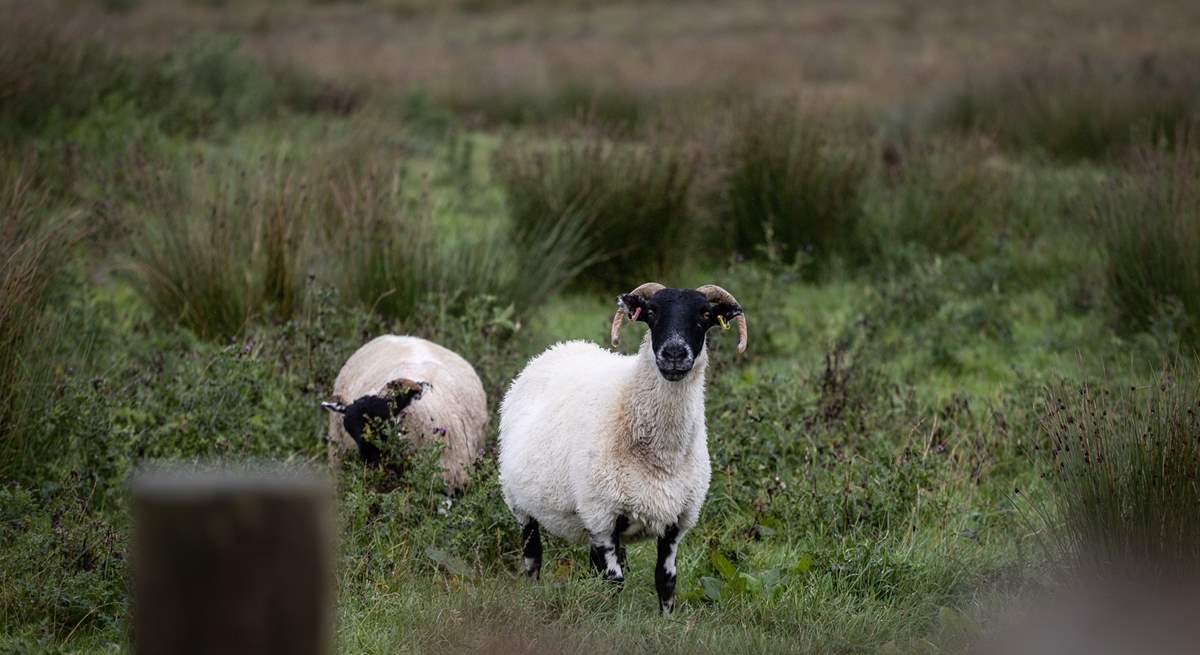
(1149, 224)
(217, 244)
(943, 197)
(785, 177)
(1126, 461)
(1085, 109)
(622, 207)
(394, 257)
(35, 241)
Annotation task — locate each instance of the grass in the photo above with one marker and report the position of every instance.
(389, 254)
(36, 238)
(247, 233)
(1087, 108)
(219, 245)
(1123, 462)
(1149, 223)
(51, 80)
(624, 207)
(944, 198)
(787, 182)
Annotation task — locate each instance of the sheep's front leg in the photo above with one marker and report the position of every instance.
(607, 552)
(664, 570)
(531, 548)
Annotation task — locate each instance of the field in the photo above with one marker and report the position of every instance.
(950, 224)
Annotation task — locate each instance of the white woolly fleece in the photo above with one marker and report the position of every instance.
(587, 434)
(453, 409)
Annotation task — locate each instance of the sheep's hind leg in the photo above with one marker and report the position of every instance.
(531, 548)
(606, 551)
(664, 570)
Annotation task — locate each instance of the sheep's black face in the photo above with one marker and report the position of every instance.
(678, 319)
(372, 412)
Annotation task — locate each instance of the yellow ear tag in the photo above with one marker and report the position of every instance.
(721, 320)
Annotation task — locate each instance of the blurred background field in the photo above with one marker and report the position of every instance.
(938, 215)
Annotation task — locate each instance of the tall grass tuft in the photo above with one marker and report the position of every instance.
(1149, 223)
(785, 177)
(1087, 109)
(393, 256)
(946, 198)
(53, 78)
(1126, 470)
(620, 209)
(35, 242)
(218, 244)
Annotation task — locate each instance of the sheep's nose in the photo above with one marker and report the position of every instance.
(674, 353)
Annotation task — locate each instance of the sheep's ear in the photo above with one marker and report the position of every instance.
(338, 408)
(633, 305)
(405, 388)
(726, 310)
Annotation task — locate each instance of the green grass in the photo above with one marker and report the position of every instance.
(943, 197)
(623, 208)
(1123, 463)
(1149, 224)
(208, 85)
(37, 238)
(218, 245)
(787, 182)
(865, 449)
(1083, 108)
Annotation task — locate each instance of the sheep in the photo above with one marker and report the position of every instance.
(602, 448)
(433, 393)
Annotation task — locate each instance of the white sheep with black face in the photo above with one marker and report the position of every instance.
(429, 391)
(603, 448)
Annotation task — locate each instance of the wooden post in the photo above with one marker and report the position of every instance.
(232, 562)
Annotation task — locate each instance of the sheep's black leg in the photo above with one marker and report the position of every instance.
(664, 570)
(531, 548)
(606, 552)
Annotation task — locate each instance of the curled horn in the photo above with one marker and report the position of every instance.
(715, 293)
(645, 291)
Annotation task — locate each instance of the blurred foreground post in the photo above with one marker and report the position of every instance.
(232, 562)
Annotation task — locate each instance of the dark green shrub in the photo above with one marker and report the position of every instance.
(620, 211)
(1149, 224)
(1124, 470)
(1089, 108)
(785, 176)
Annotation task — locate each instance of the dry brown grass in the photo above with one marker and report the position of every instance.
(876, 54)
